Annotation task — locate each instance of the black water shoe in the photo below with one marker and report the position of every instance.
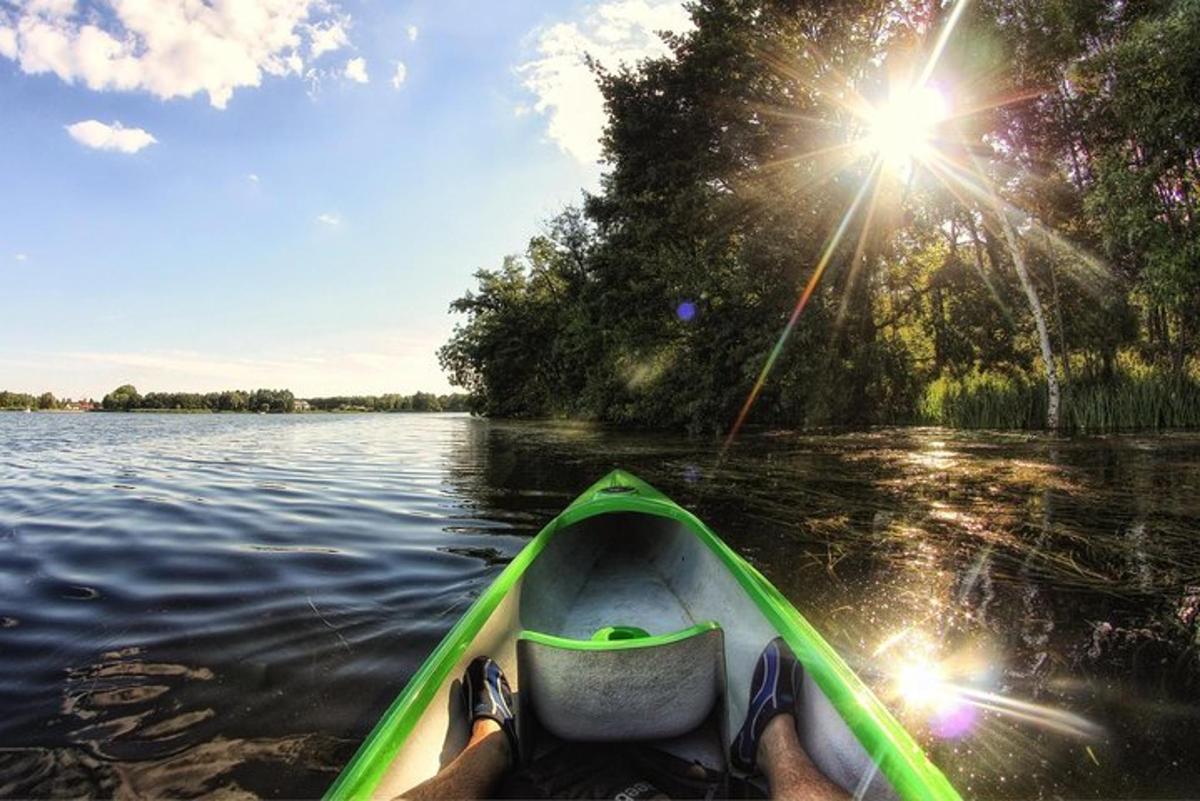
(773, 691)
(489, 696)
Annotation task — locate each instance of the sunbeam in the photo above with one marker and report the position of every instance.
(822, 263)
(969, 177)
(943, 38)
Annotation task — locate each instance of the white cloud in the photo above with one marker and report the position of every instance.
(356, 70)
(8, 42)
(170, 48)
(328, 36)
(413, 32)
(20, 257)
(252, 177)
(328, 218)
(614, 32)
(401, 74)
(96, 134)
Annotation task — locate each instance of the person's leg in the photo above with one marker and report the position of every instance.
(493, 744)
(474, 772)
(768, 741)
(791, 775)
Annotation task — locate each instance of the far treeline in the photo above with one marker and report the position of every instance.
(1037, 263)
(126, 398)
(23, 400)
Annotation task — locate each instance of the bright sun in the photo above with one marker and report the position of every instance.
(902, 128)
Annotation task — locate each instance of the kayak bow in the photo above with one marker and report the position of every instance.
(624, 574)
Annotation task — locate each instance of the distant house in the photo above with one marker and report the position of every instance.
(301, 406)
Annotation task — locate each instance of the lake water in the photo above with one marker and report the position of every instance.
(196, 605)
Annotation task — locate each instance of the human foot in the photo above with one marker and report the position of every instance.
(489, 701)
(772, 693)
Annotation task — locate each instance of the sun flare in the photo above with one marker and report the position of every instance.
(903, 128)
(923, 686)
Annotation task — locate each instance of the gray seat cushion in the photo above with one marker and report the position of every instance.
(637, 689)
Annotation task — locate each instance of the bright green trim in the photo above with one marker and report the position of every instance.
(567, 643)
(611, 633)
(899, 757)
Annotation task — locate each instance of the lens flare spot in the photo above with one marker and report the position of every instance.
(686, 311)
(955, 720)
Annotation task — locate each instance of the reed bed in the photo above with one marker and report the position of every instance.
(1136, 398)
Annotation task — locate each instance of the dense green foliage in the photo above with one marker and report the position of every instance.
(658, 301)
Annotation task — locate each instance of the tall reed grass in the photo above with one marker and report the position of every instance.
(1137, 397)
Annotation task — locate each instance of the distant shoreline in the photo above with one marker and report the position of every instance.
(126, 398)
(229, 411)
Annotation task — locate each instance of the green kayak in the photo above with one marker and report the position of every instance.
(633, 597)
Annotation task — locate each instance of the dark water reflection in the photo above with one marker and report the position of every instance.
(224, 605)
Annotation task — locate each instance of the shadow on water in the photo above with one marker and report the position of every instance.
(224, 605)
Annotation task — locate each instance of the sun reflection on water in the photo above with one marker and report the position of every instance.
(951, 695)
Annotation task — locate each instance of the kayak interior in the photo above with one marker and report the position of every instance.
(671, 606)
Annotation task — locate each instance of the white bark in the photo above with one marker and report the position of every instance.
(1039, 317)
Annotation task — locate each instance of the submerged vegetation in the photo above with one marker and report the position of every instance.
(856, 213)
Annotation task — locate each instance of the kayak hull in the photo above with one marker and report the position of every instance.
(625, 555)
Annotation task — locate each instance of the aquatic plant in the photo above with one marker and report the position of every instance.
(1136, 397)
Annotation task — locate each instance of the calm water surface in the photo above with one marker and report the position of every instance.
(223, 605)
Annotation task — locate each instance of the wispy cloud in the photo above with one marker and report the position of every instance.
(413, 32)
(21, 256)
(400, 75)
(252, 178)
(170, 48)
(356, 70)
(329, 218)
(614, 32)
(98, 135)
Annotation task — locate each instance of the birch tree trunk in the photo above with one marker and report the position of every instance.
(1039, 318)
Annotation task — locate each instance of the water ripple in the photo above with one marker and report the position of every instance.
(223, 605)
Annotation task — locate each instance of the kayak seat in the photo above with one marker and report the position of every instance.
(621, 685)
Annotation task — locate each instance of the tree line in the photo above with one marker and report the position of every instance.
(1041, 266)
(126, 398)
(45, 401)
(417, 402)
(275, 401)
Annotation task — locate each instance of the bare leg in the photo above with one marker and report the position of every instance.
(790, 773)
(473, 773)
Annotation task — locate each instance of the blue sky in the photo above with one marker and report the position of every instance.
(261, 216)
